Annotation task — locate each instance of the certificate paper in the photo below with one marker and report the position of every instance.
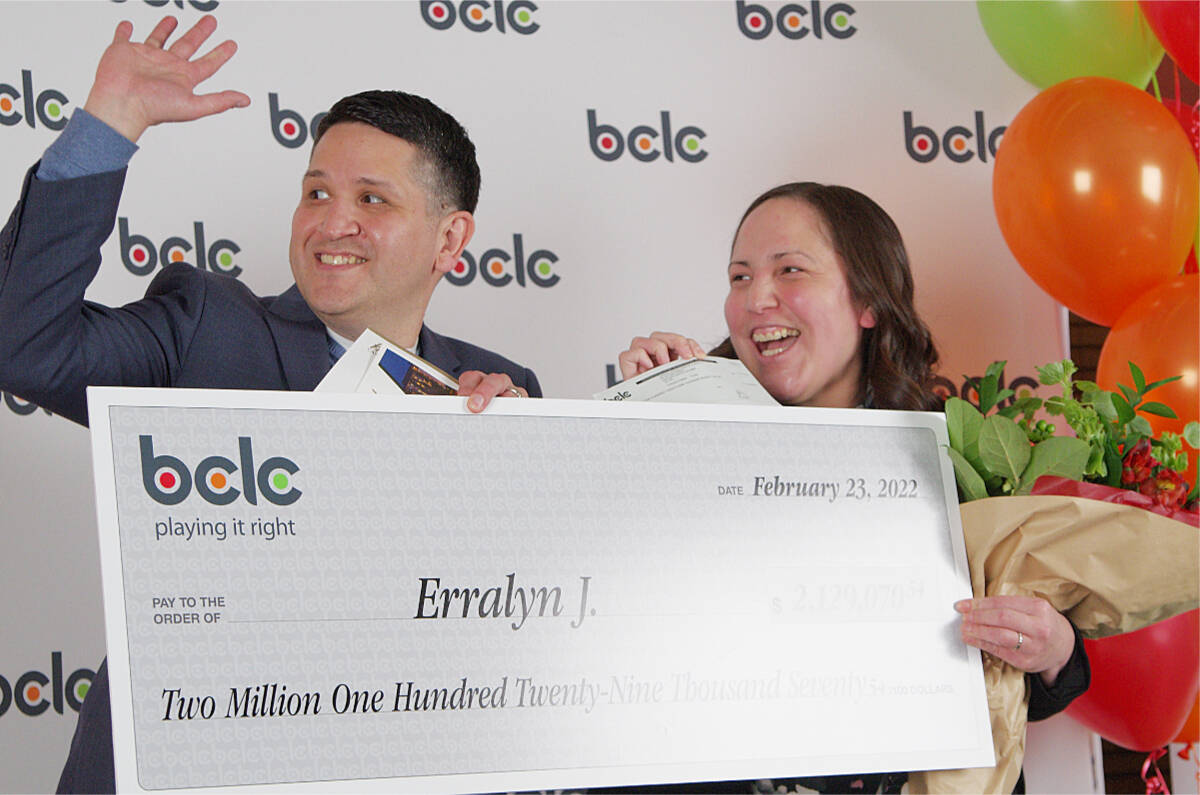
(711, 379)
(387, 593)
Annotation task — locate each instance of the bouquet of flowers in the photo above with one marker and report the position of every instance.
(1007, 451)
(1118, 561)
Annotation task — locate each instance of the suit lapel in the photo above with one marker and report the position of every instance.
(436, 350)
(300, 341)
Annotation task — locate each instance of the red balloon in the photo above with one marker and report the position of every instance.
(1160, 333)
(1189, 120)
(1096, 191)
(1177, 25)
(1143, 683)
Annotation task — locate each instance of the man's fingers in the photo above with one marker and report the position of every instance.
(124, 31)
(162, 31)
(187, 44)
(479, 388)
(209, 104)
(207, 65)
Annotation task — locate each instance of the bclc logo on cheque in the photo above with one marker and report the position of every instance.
(515, 14)
(795, 21)
(168, 480)
(45, 106)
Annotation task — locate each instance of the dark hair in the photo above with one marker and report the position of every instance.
(449, 155)
(898, 352)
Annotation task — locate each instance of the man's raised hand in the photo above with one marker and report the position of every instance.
(139, 85)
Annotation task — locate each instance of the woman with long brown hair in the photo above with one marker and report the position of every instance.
(820, 310)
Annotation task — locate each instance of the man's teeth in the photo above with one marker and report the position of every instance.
(339, 259)
(776, 334)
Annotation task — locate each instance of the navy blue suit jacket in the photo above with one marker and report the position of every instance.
(192, 329)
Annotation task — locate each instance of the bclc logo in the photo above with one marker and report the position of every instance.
(518, 15)
(46, 106)
(168, 481)
(18, 406)
(608, 144)
(538, 266)
(141, 256)
(922, 142)
(288, 126)
(29, 692)
(795, 21)
(199, 5)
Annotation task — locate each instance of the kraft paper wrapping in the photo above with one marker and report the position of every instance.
(1110, 568)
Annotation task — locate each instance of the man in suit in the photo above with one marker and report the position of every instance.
(385, 210)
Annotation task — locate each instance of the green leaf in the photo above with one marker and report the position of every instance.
(1102, 401)
(1159, 383)
(1129, 394)
(970, 485)
(1051, 374)
(1140, 426)
(1191, 434)
(995, 370)
(1086, 386)
(1003, 447)
(1124, 410)
(1112, 461)
(1055, 405)
(1058, 455)
(987, 394)
(963, 422)
(1159, 410)
(1139, 380)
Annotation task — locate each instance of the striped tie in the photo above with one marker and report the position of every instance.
(335, 351)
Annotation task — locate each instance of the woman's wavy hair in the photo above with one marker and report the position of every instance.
(898, 352)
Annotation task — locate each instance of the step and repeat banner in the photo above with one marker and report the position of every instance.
(619, 144)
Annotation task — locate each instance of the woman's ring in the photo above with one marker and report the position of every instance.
(1020, 640)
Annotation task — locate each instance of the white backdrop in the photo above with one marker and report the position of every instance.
(639, 245)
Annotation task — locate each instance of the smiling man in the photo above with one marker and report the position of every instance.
(385, 209)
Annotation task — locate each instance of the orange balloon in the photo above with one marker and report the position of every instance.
(1095, 189)
(1160, 333)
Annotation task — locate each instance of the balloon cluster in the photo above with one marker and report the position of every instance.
(1097, 194)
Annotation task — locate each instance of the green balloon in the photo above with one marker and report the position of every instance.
(1048, 41)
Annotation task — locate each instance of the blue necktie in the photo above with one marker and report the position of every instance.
(335, 351)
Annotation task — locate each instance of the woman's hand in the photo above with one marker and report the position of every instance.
(646, 353)
(1024, 631)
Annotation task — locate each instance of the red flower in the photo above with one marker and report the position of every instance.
(1138, 465)
(1171, 488)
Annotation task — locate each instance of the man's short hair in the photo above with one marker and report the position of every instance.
(451, 169)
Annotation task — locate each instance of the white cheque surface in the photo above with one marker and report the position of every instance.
(303, 589)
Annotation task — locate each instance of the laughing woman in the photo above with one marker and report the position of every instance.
(820, 310)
